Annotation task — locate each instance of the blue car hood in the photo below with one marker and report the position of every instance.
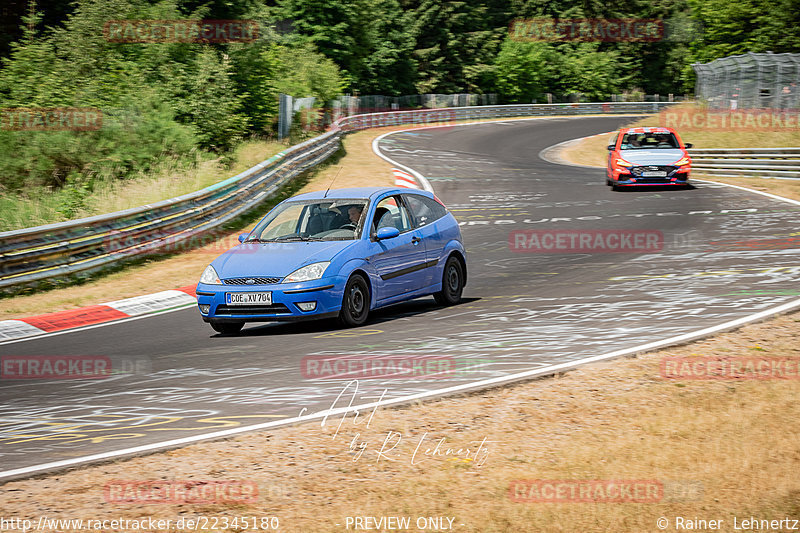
(274, 259)
(651, 157)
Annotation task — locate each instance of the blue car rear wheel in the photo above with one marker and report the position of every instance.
(452, 283)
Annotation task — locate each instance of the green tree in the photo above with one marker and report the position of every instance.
(207, 99)
(731, 28)
(390, 67)
(342, 30)
(456, 43)
(524, 71)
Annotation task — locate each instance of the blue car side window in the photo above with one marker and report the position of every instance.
(425, 210)
(391, 212)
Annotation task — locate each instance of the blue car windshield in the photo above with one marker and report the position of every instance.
(312, 220)
(649, 141)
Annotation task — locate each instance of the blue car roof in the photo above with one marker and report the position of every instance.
(355, 192)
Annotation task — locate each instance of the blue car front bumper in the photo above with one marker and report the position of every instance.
(326, 294)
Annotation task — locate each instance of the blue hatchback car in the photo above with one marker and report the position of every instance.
(340, 253)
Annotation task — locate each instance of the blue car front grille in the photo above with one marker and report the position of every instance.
(274, 309)
(251, 281)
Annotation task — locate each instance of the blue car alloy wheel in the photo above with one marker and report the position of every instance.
(336, 254)
(355, 307)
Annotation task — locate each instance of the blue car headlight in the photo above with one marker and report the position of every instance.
(307, 273)
(210, 277)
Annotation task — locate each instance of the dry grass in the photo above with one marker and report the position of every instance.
(170, 179)
(173, 181)
(731, 445)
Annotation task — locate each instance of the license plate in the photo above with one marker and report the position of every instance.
(248, 298)
(654, 174)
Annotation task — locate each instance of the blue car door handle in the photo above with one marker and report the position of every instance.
(415, 240)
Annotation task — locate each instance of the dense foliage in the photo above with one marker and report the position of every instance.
(171, 100)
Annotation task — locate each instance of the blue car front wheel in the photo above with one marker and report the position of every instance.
(452, 283)
(355, 303)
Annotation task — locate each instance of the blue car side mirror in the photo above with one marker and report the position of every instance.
(243, 236)
(387, 233)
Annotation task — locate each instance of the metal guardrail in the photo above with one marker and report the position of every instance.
(758, 162)
(80, 246)
(448, 114)
(87, 244)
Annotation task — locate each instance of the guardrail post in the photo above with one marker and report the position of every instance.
(284, 115)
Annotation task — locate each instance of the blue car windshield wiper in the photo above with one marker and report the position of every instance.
(294, 237)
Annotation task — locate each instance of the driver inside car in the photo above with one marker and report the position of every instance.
(355, 214)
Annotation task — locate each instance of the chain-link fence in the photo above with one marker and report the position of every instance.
(374, 103)
(309, 114)
(750, 81)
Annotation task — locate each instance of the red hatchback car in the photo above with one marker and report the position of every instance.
(648, 156)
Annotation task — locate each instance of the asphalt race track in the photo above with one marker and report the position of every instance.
(725, 254)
